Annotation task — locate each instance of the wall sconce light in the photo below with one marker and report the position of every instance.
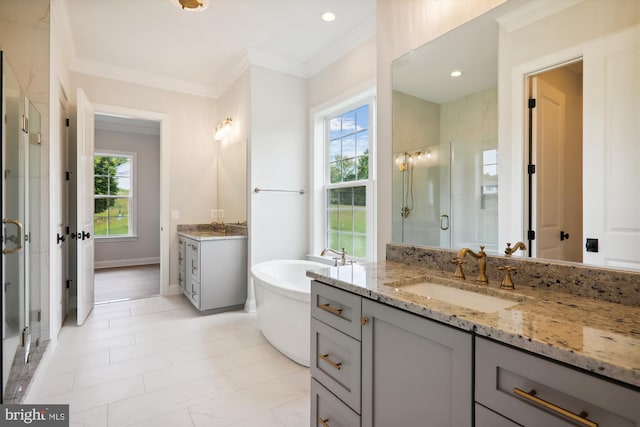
(223, 129)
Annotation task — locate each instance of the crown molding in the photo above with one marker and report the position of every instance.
(363, 32)
(128, 125)
(533, 11)
(142, 78)
(60, 21)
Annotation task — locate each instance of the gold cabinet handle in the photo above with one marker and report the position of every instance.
(363, 320)
(325, 422)
(579, 418)
(330, 309)
(325, 357)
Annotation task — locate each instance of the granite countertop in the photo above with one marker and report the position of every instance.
(598, 336)
(203, 235)
(204, 232)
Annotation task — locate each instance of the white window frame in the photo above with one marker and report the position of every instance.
(132, 196)
(320, 171)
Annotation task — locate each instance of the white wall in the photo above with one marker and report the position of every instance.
(402, 26)
(278, 160)
(145, 249)
(192, 153)
(235, 102)
(352, 73)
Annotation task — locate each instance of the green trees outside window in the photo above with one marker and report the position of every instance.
(346, 194)
(112, 194)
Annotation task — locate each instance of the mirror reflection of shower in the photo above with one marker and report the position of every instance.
(406, 163)
(421, 193)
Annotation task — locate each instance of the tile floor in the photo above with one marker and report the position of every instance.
(158, 362)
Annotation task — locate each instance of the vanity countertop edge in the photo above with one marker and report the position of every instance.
(597, 336)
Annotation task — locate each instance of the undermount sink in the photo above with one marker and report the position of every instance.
(468, 299)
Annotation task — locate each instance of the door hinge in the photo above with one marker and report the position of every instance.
(67, 122)
(532, 103)
(39, 315)
(531, 235)
(67, 175)
(68, 283)
(531, 169)
(67, 230)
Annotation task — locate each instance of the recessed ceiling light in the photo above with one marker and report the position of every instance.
(456, 73)
(191, 5)
(328, 17)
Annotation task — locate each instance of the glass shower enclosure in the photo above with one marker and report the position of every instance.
(22, 239)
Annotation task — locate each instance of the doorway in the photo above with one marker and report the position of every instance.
(83, 201)
(126, 208)
(554, 169)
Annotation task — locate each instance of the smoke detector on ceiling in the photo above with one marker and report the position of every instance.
(191, 5)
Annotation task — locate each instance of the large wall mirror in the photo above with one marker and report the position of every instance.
(476, 163)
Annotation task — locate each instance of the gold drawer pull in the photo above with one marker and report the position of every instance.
(325, 357)
(325, 422)
(332, 310)
(579, 418)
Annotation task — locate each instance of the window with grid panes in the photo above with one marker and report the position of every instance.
(348, 181)
(113, 194)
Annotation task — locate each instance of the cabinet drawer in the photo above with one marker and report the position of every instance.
(488, 418)
(335, 362)
(193, 259)
(336, 308)
(195, 293)
(519, 385)
(329, 411)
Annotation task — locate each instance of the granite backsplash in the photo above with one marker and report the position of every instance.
(617, 286)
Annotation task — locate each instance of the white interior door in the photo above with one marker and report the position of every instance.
(612, 150)
(62, 220)
(549, 140)
(84, 206)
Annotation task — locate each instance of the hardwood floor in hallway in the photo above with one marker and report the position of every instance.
(122, 283)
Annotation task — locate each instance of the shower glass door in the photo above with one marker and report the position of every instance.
(36, 244)
(421, 203)
(15, 139)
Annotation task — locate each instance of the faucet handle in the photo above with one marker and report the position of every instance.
(507, 283)
(508, 251)
(459, 274)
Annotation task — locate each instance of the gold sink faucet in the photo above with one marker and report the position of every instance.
(481, 256)
(515, 247)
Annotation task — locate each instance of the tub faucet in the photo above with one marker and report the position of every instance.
(342, 253)
(515, 247)
(481, 256)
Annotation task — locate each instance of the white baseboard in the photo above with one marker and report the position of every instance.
(250, 306)
(174, 289)
(126, 262)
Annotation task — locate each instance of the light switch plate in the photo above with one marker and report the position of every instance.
(175, 214)
(220, 213)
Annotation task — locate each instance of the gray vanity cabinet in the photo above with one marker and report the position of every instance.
(215, 275)
(533, 391)
(415, 372)
(375, 365)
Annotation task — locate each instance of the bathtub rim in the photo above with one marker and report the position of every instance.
(270, 281)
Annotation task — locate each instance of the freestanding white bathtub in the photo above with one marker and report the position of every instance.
(283, 304)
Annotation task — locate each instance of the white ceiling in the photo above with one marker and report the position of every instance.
(153, 42)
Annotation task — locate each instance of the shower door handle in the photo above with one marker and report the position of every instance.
(444, 222)
(20, 240)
